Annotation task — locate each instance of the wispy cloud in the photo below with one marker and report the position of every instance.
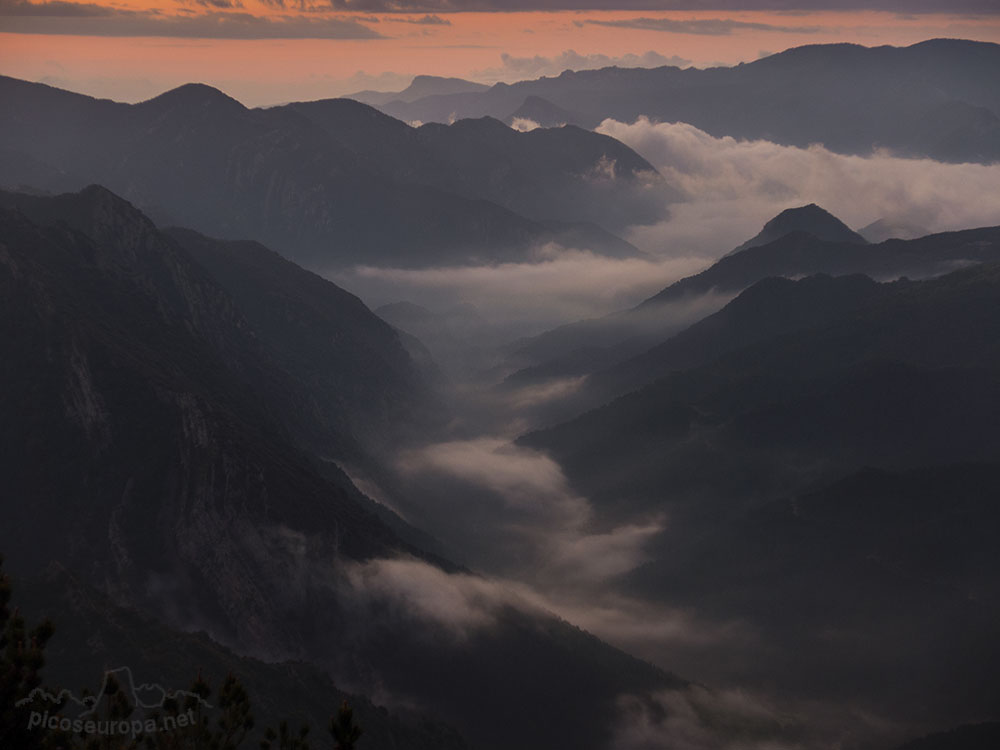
(413, 590)
(704, 26)
(425, 20)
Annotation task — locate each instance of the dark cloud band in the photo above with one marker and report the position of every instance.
(94, 20)
(703, 26)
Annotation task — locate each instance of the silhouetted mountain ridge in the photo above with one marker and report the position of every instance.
(933, 99)
(327, 183)
(591, 345)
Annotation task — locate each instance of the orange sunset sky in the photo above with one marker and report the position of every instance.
(271, 51)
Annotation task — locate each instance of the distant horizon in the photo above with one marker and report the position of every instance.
(268, 57)
(404, 82)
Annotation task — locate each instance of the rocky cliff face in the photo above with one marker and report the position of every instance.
(152, 431)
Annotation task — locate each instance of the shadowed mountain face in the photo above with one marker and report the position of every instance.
(335, 374)
(935, 99)
(153, 443)
(832, 486)
(769, 308)
(328, 183)
(167, 397)
(353, 372)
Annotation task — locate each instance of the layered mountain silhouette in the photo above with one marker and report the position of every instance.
(332, 182)
(169, 398)
(934, 99)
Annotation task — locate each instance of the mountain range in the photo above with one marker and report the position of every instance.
(934, 99)
(798, 242)
(334, 182)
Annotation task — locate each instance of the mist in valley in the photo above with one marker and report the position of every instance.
(510, 512)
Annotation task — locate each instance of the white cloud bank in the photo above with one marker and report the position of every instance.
(733, 187)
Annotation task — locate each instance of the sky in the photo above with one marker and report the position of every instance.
(272, 51)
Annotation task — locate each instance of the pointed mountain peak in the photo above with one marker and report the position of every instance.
(811, 219)
(805, 218)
